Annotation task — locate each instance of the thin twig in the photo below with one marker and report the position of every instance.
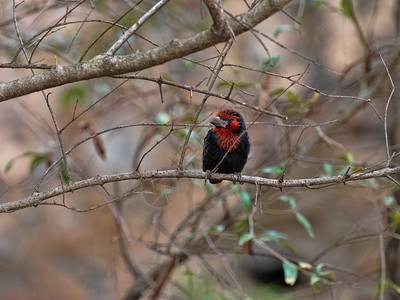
(118, 44)
(386, 109)
(218, 68)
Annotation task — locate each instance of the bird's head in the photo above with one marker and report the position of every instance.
(228, 121)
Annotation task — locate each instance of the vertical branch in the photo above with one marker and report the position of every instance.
(60, 141)
(388, 156)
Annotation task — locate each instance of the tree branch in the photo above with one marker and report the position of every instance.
(106, 65)
(36, 198)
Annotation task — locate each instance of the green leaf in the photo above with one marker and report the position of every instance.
(274, 169)
(288, 199)
(37, 158)
(318, 3)
(162, 118)
(388, 200)
(64, 173)
(305, 265)
(346, 8)
(241, 226)
(246, 237)
(283, 27)
(246, 200)
(240, 85)
(387, 284)
(314, 98)
(294, 97)
(269, 63)
(306, 224)
(276, 92)
(9, 165)
(71, 94)
(290, 272)
(349, 156)
(314, 278)
(394, 217)
(272, 235)
(280, 238)
(328, 169)
(189, 65)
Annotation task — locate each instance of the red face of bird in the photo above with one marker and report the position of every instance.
(226, 120)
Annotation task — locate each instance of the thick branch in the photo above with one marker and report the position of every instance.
(36, 198)
(105, 65)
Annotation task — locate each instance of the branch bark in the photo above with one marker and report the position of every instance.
(36, 198)
(106, 65)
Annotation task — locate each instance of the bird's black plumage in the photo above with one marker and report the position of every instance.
(228, 135)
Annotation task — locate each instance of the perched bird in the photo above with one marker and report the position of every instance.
(226, 145)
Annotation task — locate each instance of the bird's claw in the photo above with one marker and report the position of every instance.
(208, 172)
(239, 175)
(239, 178)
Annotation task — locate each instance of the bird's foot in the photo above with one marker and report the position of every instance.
(208, 172)
(239, 175)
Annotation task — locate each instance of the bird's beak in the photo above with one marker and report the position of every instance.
(218, 122)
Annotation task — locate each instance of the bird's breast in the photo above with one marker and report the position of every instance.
(226, 140)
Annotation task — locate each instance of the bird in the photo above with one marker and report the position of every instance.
(226, 145)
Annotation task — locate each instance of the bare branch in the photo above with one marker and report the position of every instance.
(35, 198)
(106, 65)
(118, 44)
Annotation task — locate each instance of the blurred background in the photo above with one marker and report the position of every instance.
(317, 62)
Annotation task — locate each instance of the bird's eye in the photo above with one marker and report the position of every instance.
(229, 120)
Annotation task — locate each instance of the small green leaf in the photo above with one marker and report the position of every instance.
(294, 97)
(388, 200)
(305, 265)
(269, 63)
(189, 65)
(387, 284)
(328, 169)
(9, 165)
(314, 98)
(394, 217)
(318, 268)
(285, 243)
(241, 226)
(220, 228)
(272, 235)
(37, 158)
(318, 3)
(314, 278)
(274, 169)
(290, 272)
(71, 94)
(280, 238)
(64, 173)
(235, 188)
(240, 85)
(276, 92)
(162, 118)
(283, 27)
(306, 224)
(349, 156)
(246, 237)
(346, 8)
(206, 296)
(288, 199)
(246, 200)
